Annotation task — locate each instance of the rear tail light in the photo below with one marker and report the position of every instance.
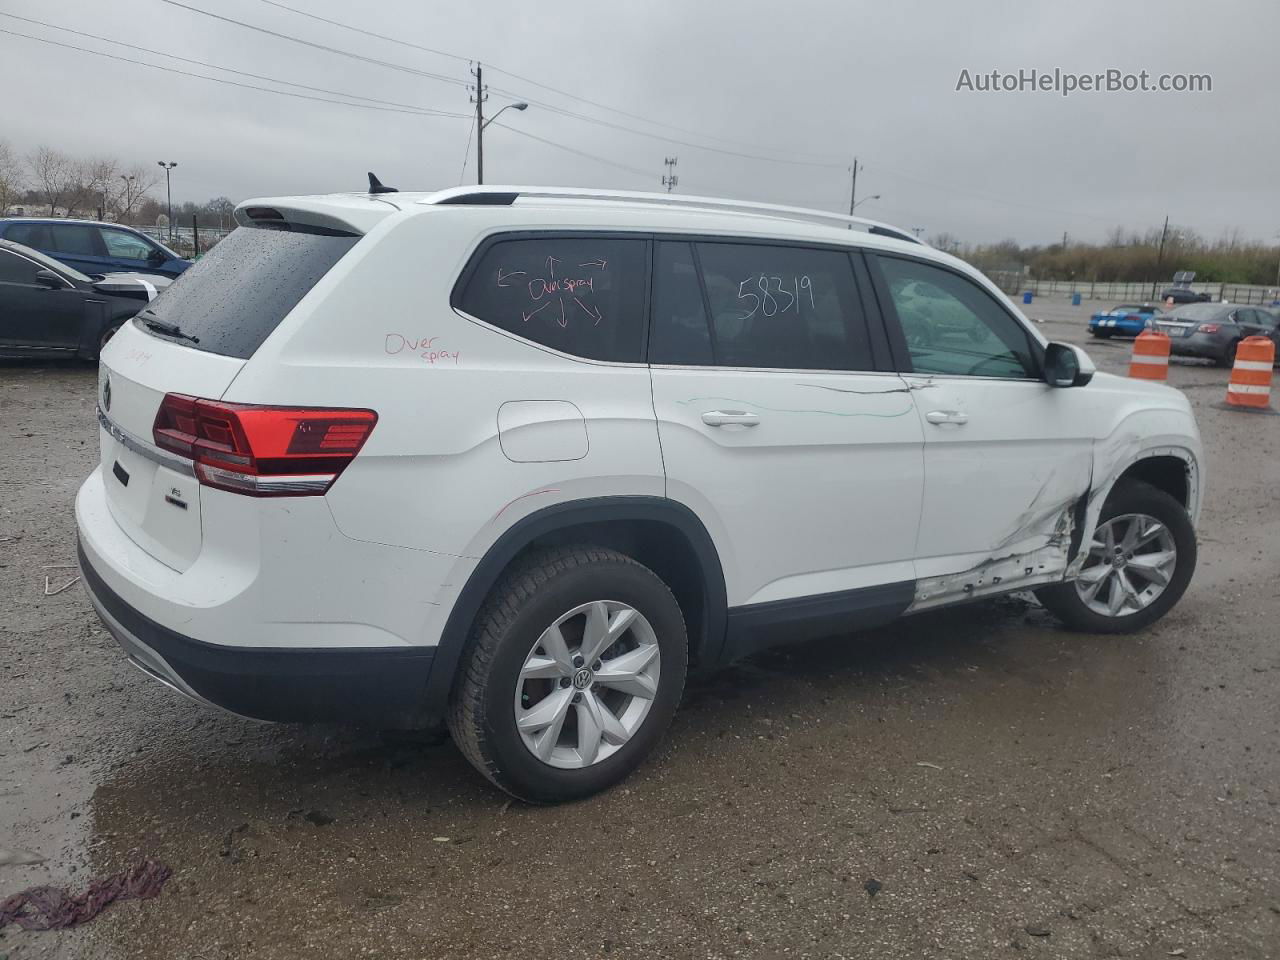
(262, 451)
(1208, 328)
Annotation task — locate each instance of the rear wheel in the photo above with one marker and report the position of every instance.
(1228, 358)
(1100, 334)
(572, 674)
(1139, 563)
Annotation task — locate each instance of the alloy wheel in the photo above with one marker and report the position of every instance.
(587, 684)
(1131, 561)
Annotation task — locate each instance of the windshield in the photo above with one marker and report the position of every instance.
(236, 294)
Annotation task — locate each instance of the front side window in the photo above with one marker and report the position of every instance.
(126, 246)
(583, 296)
(16, 269)
(952, 326)
(785, 307)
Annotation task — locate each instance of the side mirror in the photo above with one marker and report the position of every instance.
(1066, 365)
(156, 257)
(49, 280)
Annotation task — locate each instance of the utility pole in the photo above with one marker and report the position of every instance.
(481, 95)
(669, 179)
(1160, 256)
(1064, 241)
(853, 188)
(917, 231)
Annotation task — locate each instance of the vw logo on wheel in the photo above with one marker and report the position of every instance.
(106, 393)
(582, 679)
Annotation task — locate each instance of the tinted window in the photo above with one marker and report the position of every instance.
(35, 235)
(680, 331)
(953, 326)
(128, 246)
(790, 307)
(238, 292)
(579, 295)
(1197, 311)
(15, 269)
(76, 239)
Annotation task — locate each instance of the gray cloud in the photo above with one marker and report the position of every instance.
(805, 78)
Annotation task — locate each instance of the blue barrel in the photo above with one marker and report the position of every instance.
(1026, 297)
(1075, 299)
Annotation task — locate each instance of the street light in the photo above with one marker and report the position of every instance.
(874, 196)
(168, 192)
(480, 132)
(128, 192)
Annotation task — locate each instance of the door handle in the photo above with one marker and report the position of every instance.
(947, 416)
(725, 418)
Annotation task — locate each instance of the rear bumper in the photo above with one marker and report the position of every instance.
(1197, 345)
(383, 687)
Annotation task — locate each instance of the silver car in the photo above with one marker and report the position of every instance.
(1213, 330)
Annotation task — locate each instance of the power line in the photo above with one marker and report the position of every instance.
(546, 106)
(590, 156)
(232, 83)
(320, 46)
(368, 33)
(214, 66)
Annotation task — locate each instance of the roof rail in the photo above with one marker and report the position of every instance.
(508, 195)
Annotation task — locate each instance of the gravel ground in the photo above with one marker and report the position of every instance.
(969, 784)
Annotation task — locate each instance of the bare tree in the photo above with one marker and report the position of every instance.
(54, 173)
(97, 181)
(135, 184)
(11, 178)
(946, 242)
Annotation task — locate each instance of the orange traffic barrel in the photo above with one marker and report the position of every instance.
(1250, 384)
(1150, 360)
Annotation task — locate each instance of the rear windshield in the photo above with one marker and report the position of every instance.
(1196, 311)
(237, 293)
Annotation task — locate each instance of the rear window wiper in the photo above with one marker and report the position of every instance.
(165, 327)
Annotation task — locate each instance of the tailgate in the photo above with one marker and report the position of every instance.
(153, 495)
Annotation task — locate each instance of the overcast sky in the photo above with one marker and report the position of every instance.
(817, 81)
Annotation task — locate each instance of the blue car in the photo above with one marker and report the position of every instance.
(1127, 320)
(93, 248)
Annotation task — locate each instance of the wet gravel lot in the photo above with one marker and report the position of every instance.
(967, 784)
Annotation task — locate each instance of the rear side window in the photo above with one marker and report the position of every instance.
(127, 246)
(580, 295)
(784, 307)
(33, 235)
(681, 334)
(234, 296)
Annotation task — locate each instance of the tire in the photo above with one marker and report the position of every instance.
(507, 639)
(1129, 498)
(1101, 334)
(1228, 357)
(106, 336)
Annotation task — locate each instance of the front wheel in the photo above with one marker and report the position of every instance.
(572, 673)
(1138, 566)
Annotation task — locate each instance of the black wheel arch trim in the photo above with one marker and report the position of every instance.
(548, 520)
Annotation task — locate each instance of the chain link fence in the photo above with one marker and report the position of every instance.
(1014, 283)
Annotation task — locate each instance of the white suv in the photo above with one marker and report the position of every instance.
(516, 457)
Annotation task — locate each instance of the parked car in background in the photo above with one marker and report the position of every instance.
(48, 309)
(1213, 330)
(92, 247)
(1127, 320)
(1185, 295)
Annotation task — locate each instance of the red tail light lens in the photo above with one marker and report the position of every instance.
(1208, 328)
(262, 451)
